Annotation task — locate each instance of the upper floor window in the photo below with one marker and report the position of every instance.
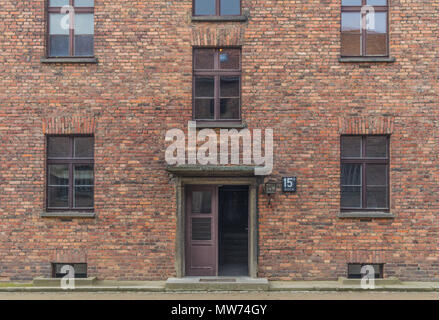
(365, 173)
(70, 28)
(217, 7)
(217, 84)
(70, 178)
(364, 28)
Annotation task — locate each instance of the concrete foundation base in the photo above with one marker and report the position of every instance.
(217, 284)
(56, 282)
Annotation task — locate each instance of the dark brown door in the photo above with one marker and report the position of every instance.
(201, 231)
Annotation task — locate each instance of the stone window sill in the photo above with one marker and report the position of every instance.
(366, 59)
(219, 18)
(69, 60)
(221, 125)
(67, 214)
(367, 214)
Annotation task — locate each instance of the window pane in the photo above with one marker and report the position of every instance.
(84, 3)
(351, 33)
(376, 174)
(58, 197)
(201, 228)
(84, 23)
(204, 7)
(83, 197)
(376, 2)
(229, 87)
(83, 175)
(230, 7)
(350, 146)
(59, 46)
(59, 24)
(204, 109)
(376, 147)
(58, 3)
(351, 2)
(58, 175)
(84, 147)
(201, 201)
(58, 147)
(229, 108)
(204, 87)
(350, 174)
(204, 58)
(84, 45)
(376, 197)
(351, 197)
(229, 58)
(376, 36)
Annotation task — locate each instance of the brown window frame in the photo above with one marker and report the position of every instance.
(50, 10)
(364, 161)
(217, 10)
(70, 161)
(363, 30)
(217, 73)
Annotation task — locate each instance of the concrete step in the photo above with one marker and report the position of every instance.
(217, 284)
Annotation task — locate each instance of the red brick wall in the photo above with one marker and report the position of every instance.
(292, 82)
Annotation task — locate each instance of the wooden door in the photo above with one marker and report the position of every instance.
(201, 231)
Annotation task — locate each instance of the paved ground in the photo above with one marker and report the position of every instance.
(220, 296)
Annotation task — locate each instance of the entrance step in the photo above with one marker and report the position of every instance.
(217, 284)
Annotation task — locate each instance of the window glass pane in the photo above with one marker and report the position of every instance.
(58, 197)
(204, 58)
(376, 147)
(59, 24)
(350, 174)
(58, 3)
(201, 228)
(229, 58)
(230, 7)
(58, 175)
(59, 46)
(229, 108)
(84, 45)
(350, 146)
(376, 36)
(83, 197)
(201, 201)
(84, 23)
(351, 3)
(351, 33)
(204, 7)
(84, 3)
(376, 197)
(84, 147)
(204, 87)
(351, 197)
(229, 87)
(376, 2)
(376, 174)
(83, 175)
(204, 109)
(58, 147)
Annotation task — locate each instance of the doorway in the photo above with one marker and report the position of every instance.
(217, 237)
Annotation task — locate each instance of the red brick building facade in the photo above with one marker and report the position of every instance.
(139, 84)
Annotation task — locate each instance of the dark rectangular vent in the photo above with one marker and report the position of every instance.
(80, 270)
(354, 270)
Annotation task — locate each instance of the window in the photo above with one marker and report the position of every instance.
(70, 178)
(354, 270)
(364, 28)
(80, 270)
(365, 173)
(217, 7)
(217, 84)
(70, 28)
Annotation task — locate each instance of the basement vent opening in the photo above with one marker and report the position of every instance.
(80, 270)
(354, 270)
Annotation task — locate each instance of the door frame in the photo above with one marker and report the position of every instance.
(180, 245)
